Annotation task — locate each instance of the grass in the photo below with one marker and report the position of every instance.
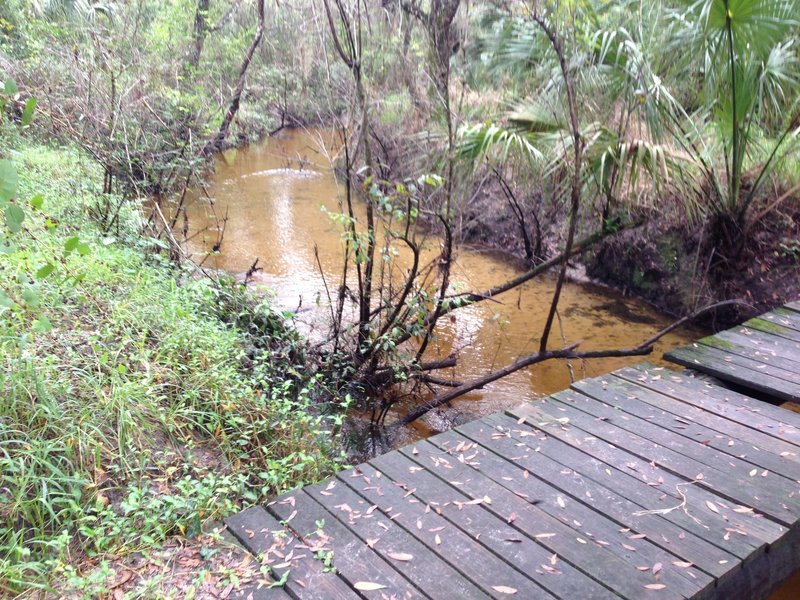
(138, 401)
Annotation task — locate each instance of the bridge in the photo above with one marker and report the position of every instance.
(643, 483)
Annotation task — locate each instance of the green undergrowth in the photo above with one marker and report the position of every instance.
(137, 401)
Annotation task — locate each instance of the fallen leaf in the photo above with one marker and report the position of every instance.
(560, 502)
(655, 586)
(402, 556)
(504, 589)
(712, 507)
(657, 568)
(540, 536)
(368, 586)
(437, 539)
(754, 472)
(682, 564)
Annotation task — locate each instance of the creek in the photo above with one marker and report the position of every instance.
(276, 196)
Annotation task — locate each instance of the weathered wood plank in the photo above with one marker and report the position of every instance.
(782, 316)
(606, 478)
(465, 554)
(262, 534)
(771, 328)
(714, 420)
(748, 348)
(618, 494)
(738, 492)
(491, 523)
(764, 343)
(738, 370)
(576, 532)
(429, 572)
(773, 420)
(337, 548)
(711, 356)
(795, 306)
(633, 401)
(727, 475)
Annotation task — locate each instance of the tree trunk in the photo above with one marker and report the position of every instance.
(218, 141)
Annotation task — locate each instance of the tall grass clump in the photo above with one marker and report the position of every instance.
(136, 401)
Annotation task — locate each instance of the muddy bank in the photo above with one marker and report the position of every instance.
(672, 266)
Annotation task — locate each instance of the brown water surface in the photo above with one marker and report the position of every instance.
(277, 195)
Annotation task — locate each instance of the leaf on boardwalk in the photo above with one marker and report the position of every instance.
(368, 586)
(712, 507)
(402, 556)
(682, 564)
(655, 586)
(504, 589)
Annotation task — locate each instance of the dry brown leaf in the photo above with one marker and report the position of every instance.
(655, 586)
(504, 589)
(540, 536)
(437, 539)
(712, 507)
(657, 568)
(401, 556)
(560, 502)
(368, 586)
(682, 564)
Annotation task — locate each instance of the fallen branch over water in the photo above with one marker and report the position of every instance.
(570, 352)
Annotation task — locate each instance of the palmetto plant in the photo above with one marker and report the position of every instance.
(72, 9)
(743, 50)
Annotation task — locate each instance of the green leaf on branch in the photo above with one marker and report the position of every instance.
(37, 202)
(14, 217)
(31, 296)
(71, 244)
(8, 180)
(27, 113)
(42, 325)
(10, 87)
(5, 301)
(45, 271)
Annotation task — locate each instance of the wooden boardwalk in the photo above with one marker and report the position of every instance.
(643, 483)
(762, 355)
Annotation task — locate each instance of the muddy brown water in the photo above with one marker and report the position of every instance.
(277, 196)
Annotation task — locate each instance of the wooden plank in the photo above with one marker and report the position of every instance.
(795, 306)
(367, 521)
(771, 328)
(782, 509)
(260, 533)
(645, 504)
(767, 418)
(773, 345)
(728, 368)
(633, 400)
(712, 356)
(465, 554)
(748, 348)
(576, 532)
(787, 318)
(337, 547)
(489, 522)
(772, 494)
(764, 346)
(716, 421)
